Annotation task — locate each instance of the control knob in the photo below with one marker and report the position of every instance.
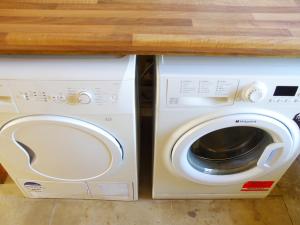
(84, 97)
(80, 98)
(256, 92)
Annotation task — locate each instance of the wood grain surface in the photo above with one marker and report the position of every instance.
(256, 27)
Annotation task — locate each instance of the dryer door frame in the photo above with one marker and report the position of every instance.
(112, 149)
(282, 146)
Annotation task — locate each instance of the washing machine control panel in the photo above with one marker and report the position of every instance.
(60, 96)
(284, 91)
(285, 94)
(219, 91)
(195, 91)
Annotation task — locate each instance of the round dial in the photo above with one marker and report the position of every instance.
(84, 97)
(255, 92)
(80, 98)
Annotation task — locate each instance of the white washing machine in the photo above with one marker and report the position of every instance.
(68, 126)
(225, 127)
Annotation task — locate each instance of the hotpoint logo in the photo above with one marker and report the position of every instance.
(245, 121)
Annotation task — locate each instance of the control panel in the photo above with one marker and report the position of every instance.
(271, 93)
(191, 91)
(59, 96)
(285, 94)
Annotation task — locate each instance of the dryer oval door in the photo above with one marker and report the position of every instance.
(63, 148)
(230, 150)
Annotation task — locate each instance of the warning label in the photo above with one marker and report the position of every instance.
(257, 185)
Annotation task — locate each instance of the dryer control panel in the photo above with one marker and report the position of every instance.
(86, 97)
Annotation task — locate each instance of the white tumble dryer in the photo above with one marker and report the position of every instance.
(68, 126)
(225, 127)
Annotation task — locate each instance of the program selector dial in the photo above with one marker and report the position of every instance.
(256, 92)
(80, 98)
(84, 97)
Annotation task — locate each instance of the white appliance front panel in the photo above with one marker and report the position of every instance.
(68, 97)
(191, 107)
(45, 67)
(53, 189)
(111, 191)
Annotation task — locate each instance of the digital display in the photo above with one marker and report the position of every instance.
(285, 90)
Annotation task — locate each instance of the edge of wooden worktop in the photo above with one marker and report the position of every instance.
(94, 51)
(72, 52)
(284, 49)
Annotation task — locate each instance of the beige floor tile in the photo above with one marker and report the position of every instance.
(270, 211)
(290, 182)
(289, 187)
(293, 205)
(92, 212)
(21, 211)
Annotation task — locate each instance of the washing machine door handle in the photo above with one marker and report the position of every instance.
(271, 155)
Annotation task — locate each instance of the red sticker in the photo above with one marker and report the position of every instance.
(257, 186)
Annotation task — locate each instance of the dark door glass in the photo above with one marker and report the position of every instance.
(228, 150)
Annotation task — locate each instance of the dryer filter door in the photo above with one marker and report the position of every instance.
(232, 149)
(63, 148)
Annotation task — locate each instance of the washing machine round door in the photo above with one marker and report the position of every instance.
(63, 148)
(232, 149)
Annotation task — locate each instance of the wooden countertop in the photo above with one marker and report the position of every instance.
(251, 27)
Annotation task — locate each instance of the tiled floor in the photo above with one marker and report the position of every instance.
(282, 207)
